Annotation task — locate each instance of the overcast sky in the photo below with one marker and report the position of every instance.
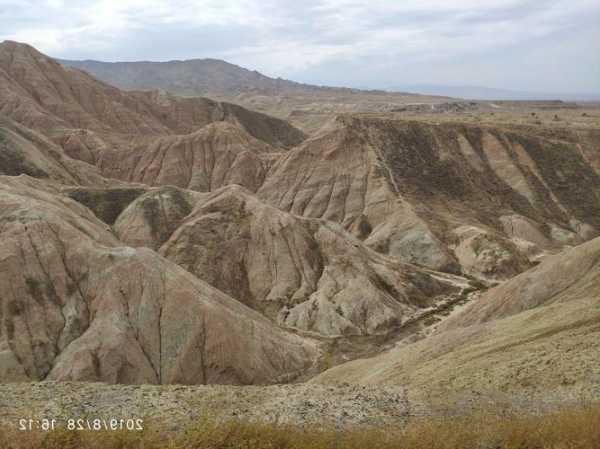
(539, 45)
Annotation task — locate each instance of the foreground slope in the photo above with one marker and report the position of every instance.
(565, 277)
(77, 305)
(535, 335)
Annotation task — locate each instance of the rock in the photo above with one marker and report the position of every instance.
(488, 255)
(79, 306)
(408, 188)
(308, 273)
(218, 154)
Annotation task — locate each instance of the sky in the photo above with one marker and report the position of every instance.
(530, 45)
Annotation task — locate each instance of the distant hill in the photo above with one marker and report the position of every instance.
(490, 93)
(304, 105)
(193, 77)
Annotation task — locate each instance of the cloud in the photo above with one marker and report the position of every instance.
(345, 42)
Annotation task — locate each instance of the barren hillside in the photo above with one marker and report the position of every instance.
(304, 105)
(533, 336)
(148, 238)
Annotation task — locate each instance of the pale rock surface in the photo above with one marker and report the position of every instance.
(307, 273)
(410, 189)
(488, 255)
(218, 154)
(76, 305)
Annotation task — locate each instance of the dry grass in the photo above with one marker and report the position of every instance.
(567, 429)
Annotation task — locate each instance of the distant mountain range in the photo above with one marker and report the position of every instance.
(192, 77)
(490, 93)
(216, 77)
(304, 105)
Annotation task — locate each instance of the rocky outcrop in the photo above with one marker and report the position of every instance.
(306, 273)
(25, 151)
(339, 176)
(412, 189)
(76, 305)
(489, 255)
(218, 154)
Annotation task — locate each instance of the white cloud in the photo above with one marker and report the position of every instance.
(298, 38)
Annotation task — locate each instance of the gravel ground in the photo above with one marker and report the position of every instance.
(178, 406)
(175, 407)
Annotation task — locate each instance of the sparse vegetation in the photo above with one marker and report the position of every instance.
(573, 429)
(106, 204)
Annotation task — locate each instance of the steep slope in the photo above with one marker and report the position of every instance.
(569, 276)
(448, 196)
(24, 151)
(79, 306)
(154, 216)
(218, 154)
(306, 273)
(38, 92)
(537, 334)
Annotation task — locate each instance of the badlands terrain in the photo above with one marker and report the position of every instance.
(303, 105)
(352, 251)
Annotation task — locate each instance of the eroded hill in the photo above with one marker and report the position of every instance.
(304, 105)
(533, 336)
(485, 201)
(149, 238)
(77, 305)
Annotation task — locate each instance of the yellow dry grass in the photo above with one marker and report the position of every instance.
(567, 429)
